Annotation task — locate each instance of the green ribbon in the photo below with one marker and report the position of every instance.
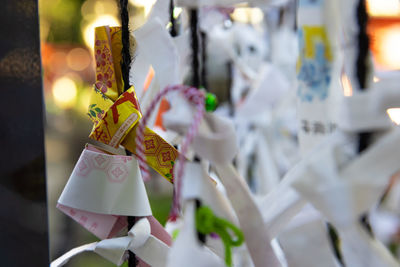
(207, 223)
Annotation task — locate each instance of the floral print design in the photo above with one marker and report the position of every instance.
(103, 82)
(104, 62)
(95, 113)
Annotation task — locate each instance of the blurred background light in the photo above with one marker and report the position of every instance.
(58, 61)
(389, 45)
(394, 114)
(383, 8)
(146, 4)
(248, 15)
(64, 92)
(78, 59)
(88, 31)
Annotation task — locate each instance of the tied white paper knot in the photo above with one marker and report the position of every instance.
(343, 189)
(139, 234)
(139, 240)
(216, 141)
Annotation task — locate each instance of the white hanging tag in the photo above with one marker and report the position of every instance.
(216, 141)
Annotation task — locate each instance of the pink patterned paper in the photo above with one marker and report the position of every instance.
(101, 225)
(115, 168)
(102, 191)
(114, 187)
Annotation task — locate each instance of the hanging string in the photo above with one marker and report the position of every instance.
(172, 30)
(362, 71)
(126, 55)
(194, 31)
(363, 45)
(362, 68)
(125, 65)
(204, 82)
(194, 96)
(195, 47)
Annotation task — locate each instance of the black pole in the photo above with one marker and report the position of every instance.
(23, 202)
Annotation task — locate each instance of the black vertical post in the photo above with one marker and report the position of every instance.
(23, 206)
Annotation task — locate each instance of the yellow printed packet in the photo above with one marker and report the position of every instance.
(115, 113)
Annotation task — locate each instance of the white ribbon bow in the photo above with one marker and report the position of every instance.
(139, 240)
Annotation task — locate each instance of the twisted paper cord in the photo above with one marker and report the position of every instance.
(126, 56)
(196, 97)
(125, 64)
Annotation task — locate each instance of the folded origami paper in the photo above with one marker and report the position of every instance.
(103, 189)
(115, 114)
(141, 240)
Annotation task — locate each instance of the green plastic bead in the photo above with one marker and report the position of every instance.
(211, 102)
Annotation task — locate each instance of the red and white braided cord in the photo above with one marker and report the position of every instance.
(196, 97)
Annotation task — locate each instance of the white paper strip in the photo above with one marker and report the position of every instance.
(307, 228)
(366, 110)
(139, 240)
(198, 185)
(343, 191)
(216, 142)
